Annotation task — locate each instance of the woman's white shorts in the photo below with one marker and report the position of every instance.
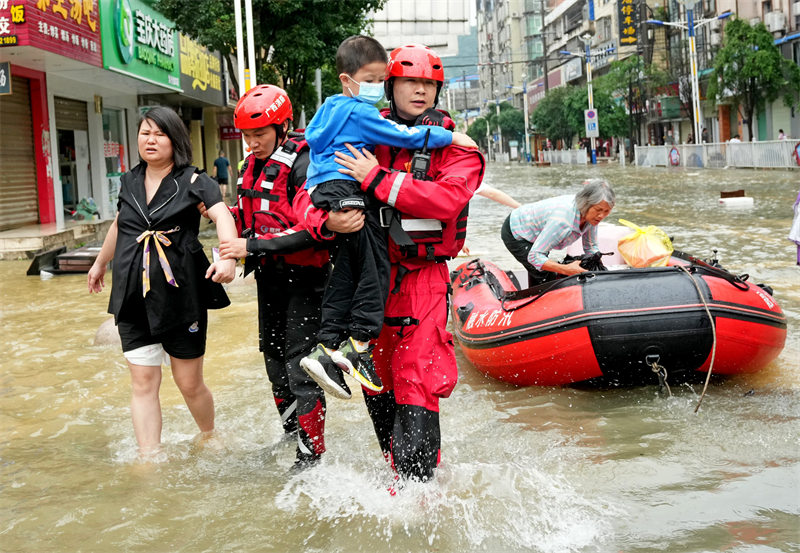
(152, 355)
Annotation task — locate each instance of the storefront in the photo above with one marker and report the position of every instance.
(18, 194)
(203, 90)
(34, 36)
(140, 44)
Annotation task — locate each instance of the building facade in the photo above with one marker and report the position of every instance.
(550, 39)
(79, 75)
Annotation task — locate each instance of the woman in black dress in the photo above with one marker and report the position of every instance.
(162, 281)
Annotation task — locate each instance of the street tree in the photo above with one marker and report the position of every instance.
(477, 132)
(502, 120)
(550, 117)
(749, 71)
(293, 37)
(633, 81)
(512, 123)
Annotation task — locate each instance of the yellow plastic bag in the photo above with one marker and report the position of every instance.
(646, 247)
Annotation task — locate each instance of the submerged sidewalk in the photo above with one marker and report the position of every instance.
(25, 242)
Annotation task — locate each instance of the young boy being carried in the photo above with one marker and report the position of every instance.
(357, 290)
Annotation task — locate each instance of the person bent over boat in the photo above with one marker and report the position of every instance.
(163, 284)
(532, 230)
(290, 266)
(352, 306)
(429, 194)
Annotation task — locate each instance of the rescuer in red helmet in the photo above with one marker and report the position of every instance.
(429, 192)
(291, 265)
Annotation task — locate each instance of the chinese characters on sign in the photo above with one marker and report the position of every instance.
(628, 17)
(604, 54)
(66, 27)
(140, 42)
(201, 72)
(495, 317)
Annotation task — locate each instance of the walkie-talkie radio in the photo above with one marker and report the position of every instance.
(421, 161)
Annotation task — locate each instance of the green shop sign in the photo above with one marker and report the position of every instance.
(140, 42)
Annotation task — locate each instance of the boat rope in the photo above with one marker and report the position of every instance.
(698, 264)
(661, 371)
(713, 336)
(536, 291)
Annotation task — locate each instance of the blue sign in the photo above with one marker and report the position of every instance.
(591, 123)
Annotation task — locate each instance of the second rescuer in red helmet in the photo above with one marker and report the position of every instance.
(290, 266)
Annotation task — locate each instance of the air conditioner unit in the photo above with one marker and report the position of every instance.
(715, 39)
(775, 22)
(796, 8)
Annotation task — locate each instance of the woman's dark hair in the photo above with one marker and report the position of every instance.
(357, 51)
(171, 125)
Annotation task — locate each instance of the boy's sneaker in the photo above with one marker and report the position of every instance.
(358, 364)
(319, 366)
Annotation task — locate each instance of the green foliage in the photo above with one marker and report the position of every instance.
(551, 115)
(512, 123)
(303, 36)
(560, 115)
(632, 81)
(750, 71)
(477, 131)
(611, 115)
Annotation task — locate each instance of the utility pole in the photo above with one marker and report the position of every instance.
(466, 109)
(544, 46)
(499, 131)
(491, 82)
(525, 118)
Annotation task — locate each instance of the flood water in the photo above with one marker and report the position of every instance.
(524, 469)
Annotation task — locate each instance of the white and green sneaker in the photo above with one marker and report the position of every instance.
(319, 365)
(357, 362)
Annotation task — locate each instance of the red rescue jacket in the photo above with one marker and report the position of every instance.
(433, 212)
(267, 207)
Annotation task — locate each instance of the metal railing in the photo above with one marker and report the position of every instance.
(771, 154)
(565, 157)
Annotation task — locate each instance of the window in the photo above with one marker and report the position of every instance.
(535, 49)
(534, 25)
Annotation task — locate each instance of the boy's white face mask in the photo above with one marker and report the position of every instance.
(370, 93)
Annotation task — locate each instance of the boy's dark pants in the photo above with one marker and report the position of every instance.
(358, 287)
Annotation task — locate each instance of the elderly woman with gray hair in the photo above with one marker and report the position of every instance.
(531, 231)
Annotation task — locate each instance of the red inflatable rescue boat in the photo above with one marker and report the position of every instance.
(617, 327)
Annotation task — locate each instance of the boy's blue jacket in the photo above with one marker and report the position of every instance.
(343, 119)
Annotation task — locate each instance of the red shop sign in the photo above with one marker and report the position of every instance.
(229, 133)
(70, 28)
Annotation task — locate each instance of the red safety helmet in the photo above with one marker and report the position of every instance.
(261, 106)
(414, 61)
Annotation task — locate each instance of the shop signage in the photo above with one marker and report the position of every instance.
(604, 54)
(201, 72)
(228, 132)
(628, 17)
(573, 69)
(5, 77)
(140, 42)
(70, 28)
